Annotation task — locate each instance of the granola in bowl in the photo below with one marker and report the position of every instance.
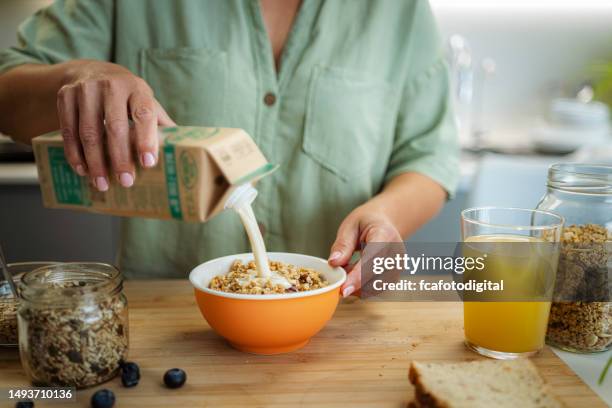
(243, 278)
(275, 322)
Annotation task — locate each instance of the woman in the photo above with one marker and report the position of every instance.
(350, 97)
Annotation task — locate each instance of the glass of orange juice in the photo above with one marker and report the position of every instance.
(521, 248)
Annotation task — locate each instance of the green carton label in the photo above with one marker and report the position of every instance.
(68, 186)
(175, 135)
(174, 198)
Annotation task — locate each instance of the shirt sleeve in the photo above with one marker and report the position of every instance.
(65, 30)
(426, 136)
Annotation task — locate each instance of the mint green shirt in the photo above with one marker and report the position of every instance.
(362, 95)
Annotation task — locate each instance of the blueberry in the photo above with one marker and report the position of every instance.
(130, 374)
(129, 379)
(24, 404)
(130, 367)
(175, 378)
(103, 399)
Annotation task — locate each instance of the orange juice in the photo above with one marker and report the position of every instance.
(510, 327)
(513, 321)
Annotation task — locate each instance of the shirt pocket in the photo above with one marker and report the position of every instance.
(348, 123)
(190, 83)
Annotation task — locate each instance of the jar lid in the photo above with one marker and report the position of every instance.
(581, 178)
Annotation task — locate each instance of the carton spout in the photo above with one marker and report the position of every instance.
(242, 196)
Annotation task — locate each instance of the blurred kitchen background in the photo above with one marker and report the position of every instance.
(532, 86)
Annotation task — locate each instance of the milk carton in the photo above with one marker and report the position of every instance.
(198, 169)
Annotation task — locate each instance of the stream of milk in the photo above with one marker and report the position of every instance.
(240, 202)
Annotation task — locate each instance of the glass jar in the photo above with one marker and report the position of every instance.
(9, 304)
(581, 312)
(73, 324)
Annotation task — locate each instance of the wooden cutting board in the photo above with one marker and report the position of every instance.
(360, 359)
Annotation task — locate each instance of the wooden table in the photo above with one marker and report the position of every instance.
(360, 359)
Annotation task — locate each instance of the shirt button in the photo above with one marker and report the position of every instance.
(269, 99)
(262, 228)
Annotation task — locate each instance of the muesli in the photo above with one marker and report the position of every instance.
(243, 278)
(8, 316)
(581, 312)
(75, 346)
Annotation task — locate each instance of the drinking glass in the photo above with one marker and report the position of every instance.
(520, 248)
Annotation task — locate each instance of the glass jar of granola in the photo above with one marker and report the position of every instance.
(73, 324)
(581, 312)
(9, 304)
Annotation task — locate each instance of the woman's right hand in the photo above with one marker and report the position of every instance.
(94, 107)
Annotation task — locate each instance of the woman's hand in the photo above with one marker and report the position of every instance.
(94, 106)
(407, 202)
(365, 224)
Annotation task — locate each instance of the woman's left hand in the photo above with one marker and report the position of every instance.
(366, 224)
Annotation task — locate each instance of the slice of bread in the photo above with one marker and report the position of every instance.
(476, 384)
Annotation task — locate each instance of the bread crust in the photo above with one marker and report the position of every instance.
(423, 398)
(420, 374)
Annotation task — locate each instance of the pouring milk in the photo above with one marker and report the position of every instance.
(240, 201)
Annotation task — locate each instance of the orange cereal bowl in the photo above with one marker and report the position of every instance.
(270, 323)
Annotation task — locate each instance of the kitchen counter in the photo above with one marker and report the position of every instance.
(360, 358)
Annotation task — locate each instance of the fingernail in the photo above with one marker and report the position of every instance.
(80, 170)
(101, 183)
(148, 160)
(335, 255)
(126, 179)
(348, 290)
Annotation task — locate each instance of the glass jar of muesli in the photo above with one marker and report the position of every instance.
(73, 324)
(581, 312)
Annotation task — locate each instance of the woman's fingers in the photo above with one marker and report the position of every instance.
(163, 119)
(94, 111)
(143, 109)
(353, 280)
(363, 227)
(91, 132)
(346, 242)
(118, 134)
(67, 109)
(382, 234)
(342, 250)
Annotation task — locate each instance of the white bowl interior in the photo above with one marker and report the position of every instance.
(202, 274)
